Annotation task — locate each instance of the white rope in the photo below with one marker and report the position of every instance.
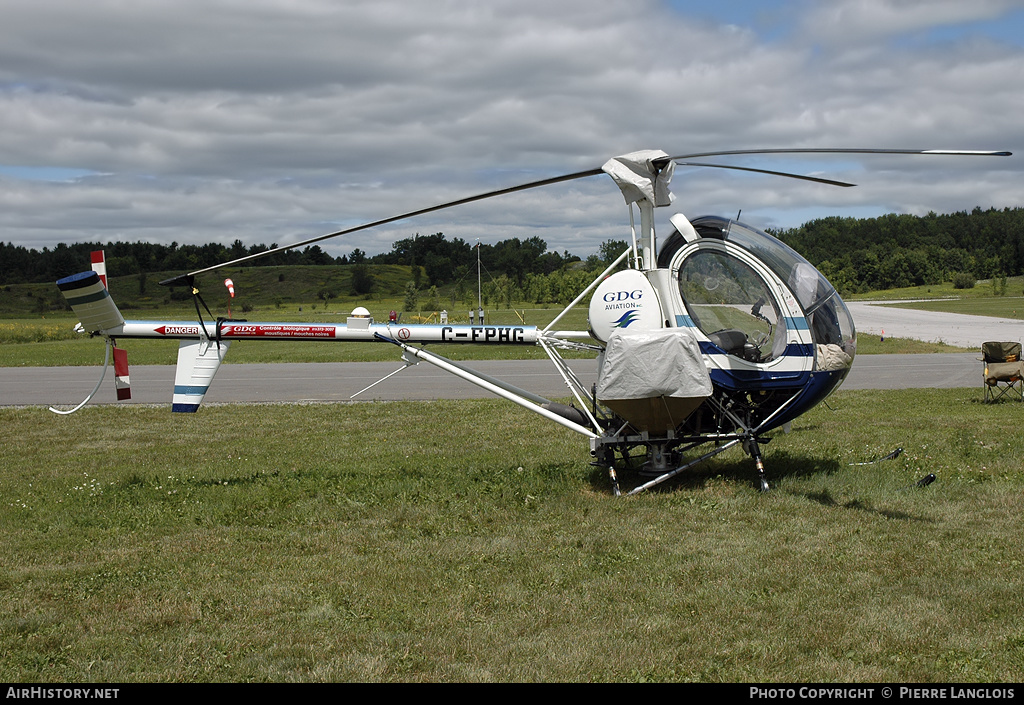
(106, 362)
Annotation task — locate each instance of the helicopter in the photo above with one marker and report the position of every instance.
(712, 340)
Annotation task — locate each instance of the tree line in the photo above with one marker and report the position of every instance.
(892, 251)
(19, 264)
(856, 254)
(442, 261)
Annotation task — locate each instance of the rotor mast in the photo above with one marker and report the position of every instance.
(649, 248)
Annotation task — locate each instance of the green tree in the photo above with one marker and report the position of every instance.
(610, 250)
(412, 297)
(362, 280)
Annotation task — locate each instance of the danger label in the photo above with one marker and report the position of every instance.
(178, 330)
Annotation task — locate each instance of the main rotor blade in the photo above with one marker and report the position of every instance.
(773, 173)
(470, 199)
(840, 150)
(185, 278)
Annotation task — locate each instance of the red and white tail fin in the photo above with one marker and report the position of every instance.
(86, 293)
(99, 265)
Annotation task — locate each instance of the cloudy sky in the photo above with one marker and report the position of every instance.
(273, 121)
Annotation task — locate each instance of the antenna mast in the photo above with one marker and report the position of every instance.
(479, 298)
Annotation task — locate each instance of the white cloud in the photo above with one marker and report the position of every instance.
(849, 22)
(277, 120)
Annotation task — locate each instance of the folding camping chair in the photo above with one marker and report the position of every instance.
(1003, 371)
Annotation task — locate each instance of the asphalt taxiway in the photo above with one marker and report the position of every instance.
(340, 382)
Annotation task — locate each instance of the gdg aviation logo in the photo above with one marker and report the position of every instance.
(625, 319)
(613, 296)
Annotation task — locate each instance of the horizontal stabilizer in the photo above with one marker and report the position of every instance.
(91, 301)
(198, 362)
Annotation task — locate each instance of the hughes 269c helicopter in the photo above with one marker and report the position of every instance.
(719, 337)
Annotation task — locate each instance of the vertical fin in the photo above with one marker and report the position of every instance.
(99, 265)
(198, 362)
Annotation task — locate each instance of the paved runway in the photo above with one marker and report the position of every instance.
(334, 382)
(933, 326)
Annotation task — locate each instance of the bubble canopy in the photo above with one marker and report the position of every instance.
(827, 316)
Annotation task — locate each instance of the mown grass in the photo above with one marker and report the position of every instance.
(983, 289)
(467, 541)
(875, 345)
(998, 307)
(164, 352)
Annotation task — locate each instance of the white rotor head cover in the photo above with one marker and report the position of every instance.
(360, 312)
(624, 301)
(638, 178)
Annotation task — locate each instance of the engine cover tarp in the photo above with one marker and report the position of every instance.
(658, 363)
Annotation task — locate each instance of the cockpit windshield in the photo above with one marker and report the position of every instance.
(732, 305)
(827, 316)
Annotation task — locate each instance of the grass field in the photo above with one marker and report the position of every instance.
(999, 307)
(289, 294)
(984, 289)
(461, 541)
(469, 541)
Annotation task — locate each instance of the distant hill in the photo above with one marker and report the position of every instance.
(254, 286)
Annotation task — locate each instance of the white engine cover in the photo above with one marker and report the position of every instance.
(624, 301)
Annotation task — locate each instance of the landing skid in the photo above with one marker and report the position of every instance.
(682, 468)
(659, 468)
